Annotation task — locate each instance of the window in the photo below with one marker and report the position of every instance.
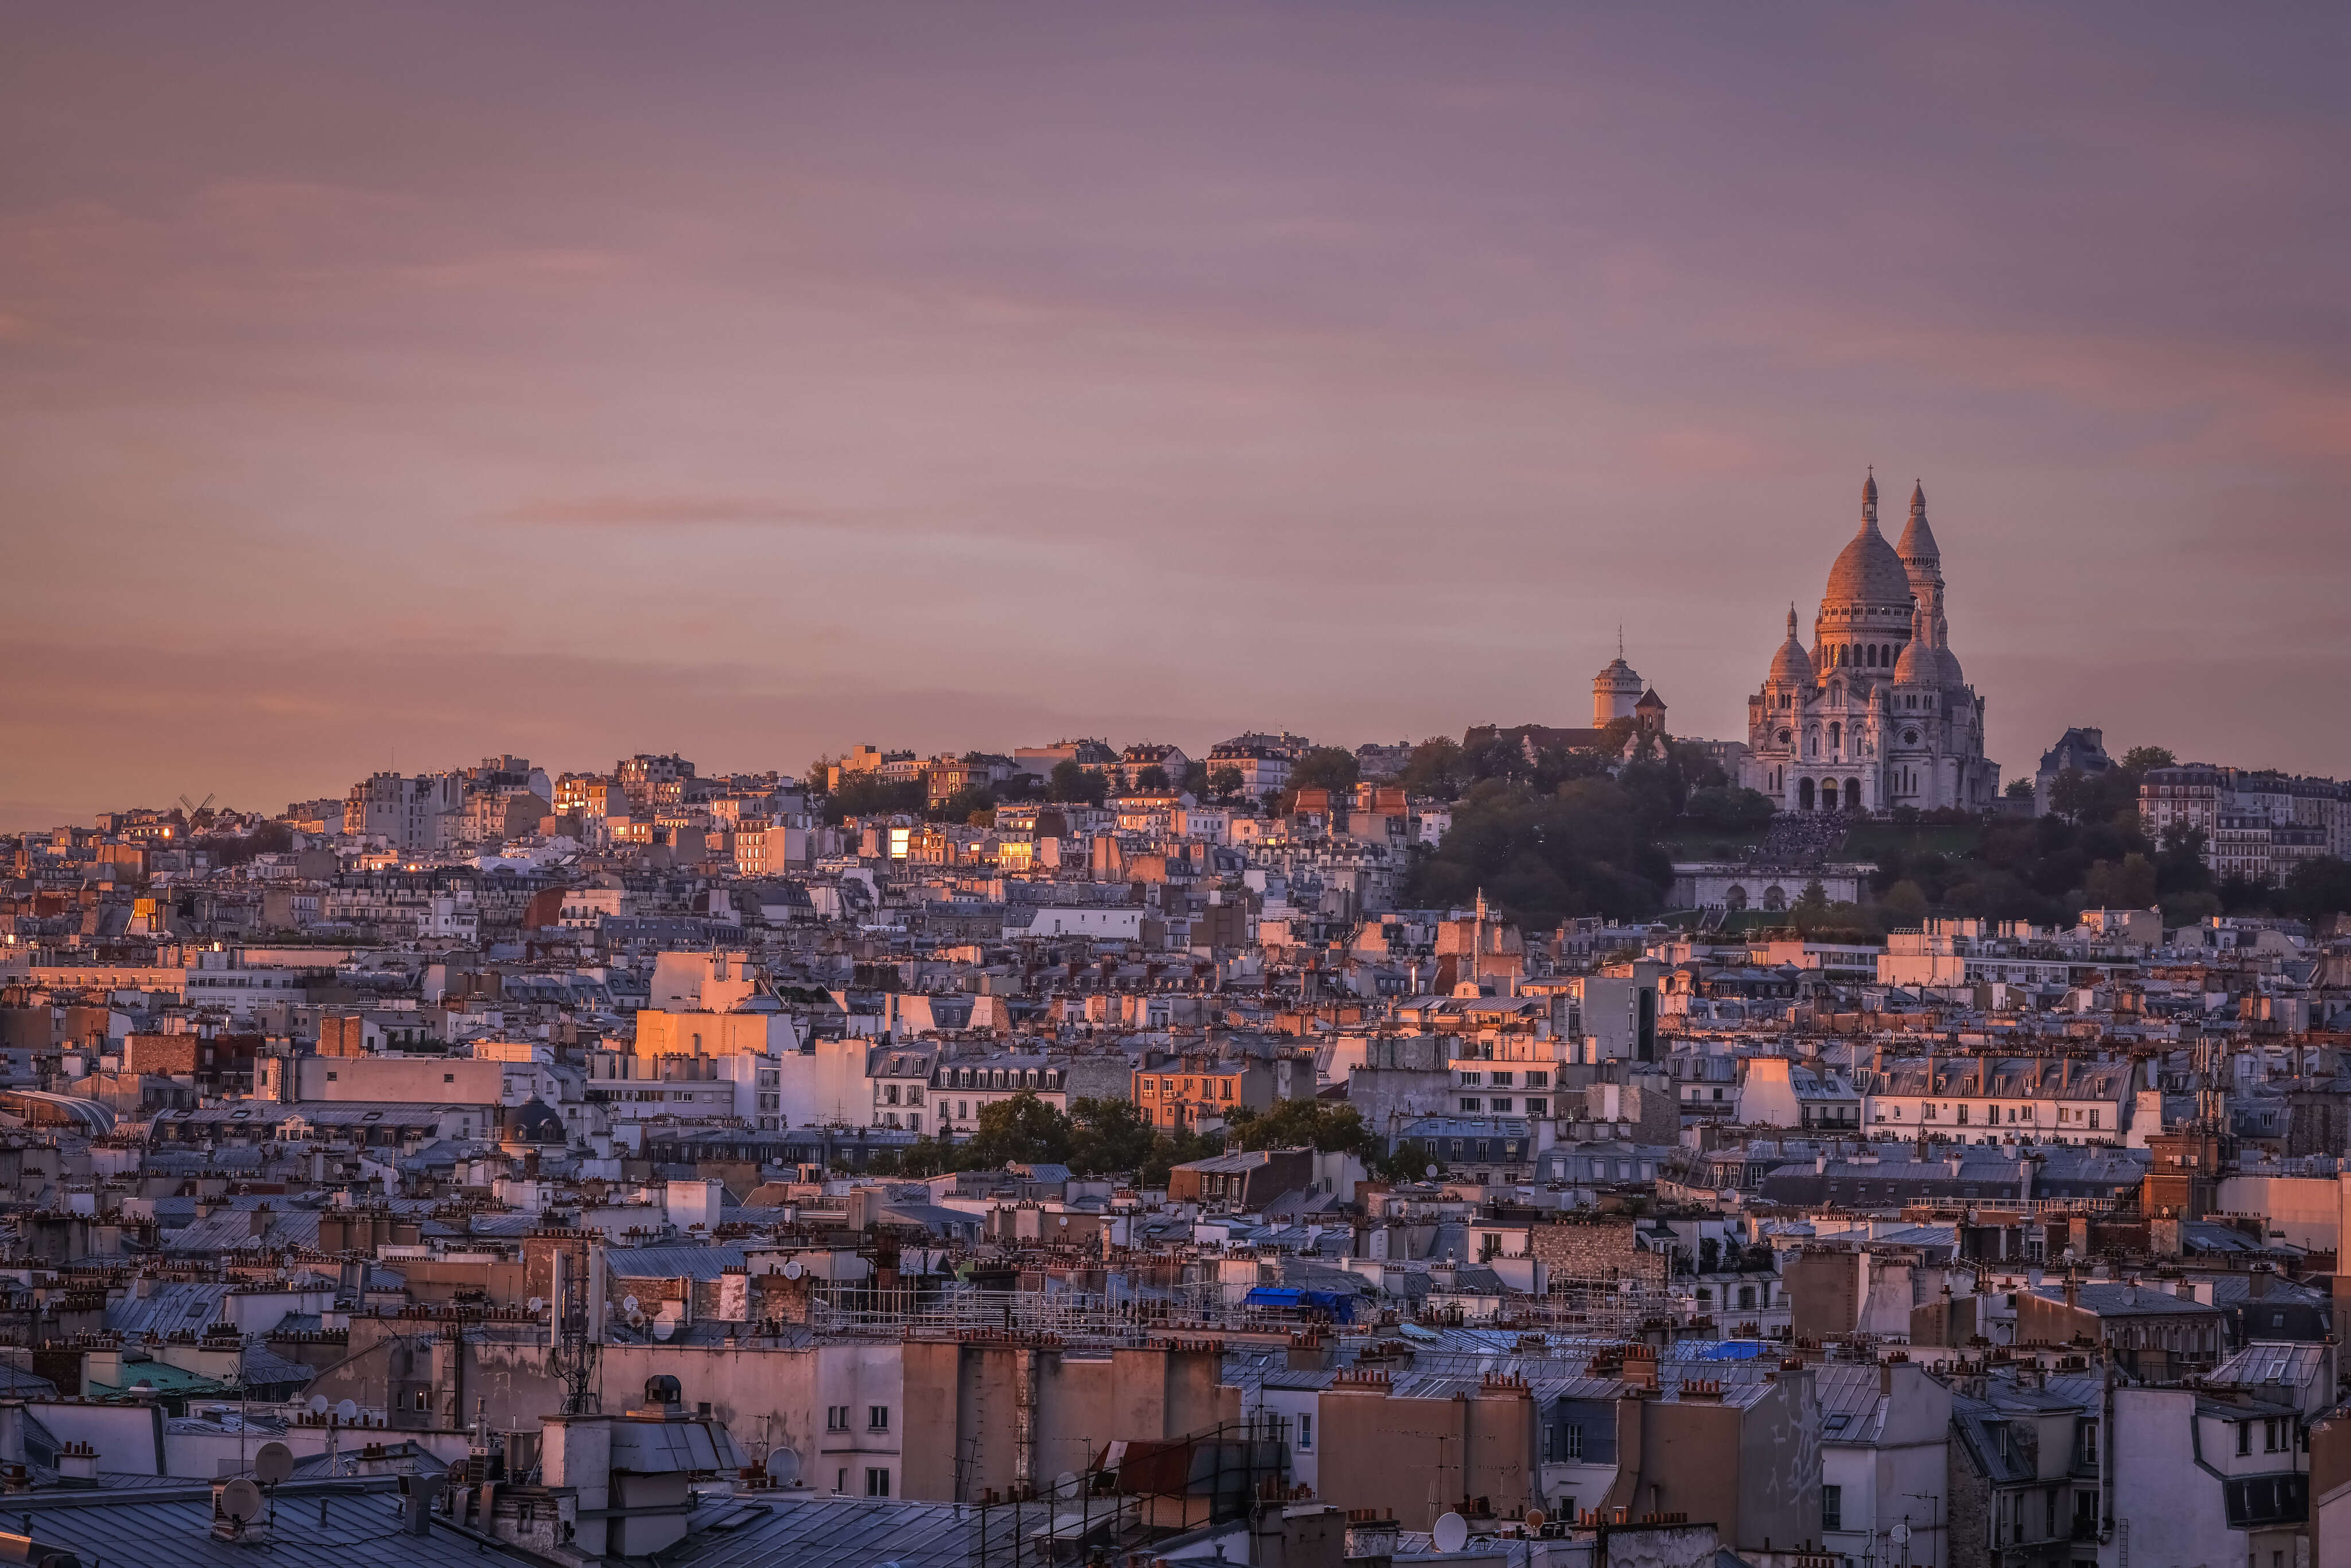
(2049, 1516)
(1305, 1434)
(877, 1483)
(877, 1418)
(1537, 1106)
(2094, 1118)
(839, 1481)
(1502, 1102)
(448, 1078)
(2244, 1437)
(1470, 1103)
(836, 1419)
(2270, 1436)
(1832, 1508)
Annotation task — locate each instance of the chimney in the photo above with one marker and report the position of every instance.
(77, 1465)
(416, 1502)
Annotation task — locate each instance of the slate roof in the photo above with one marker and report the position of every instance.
(154, 1524)
(686, 1262)
(809, 1531)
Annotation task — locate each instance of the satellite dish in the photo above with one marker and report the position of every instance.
(272, 1464)
(783, 1466)
(1537, 1519)
(536, 1305)
(629, 1305)
(1431, 1173)
(636, 1320)
(241, 1500)
(1065, 1485)
(318, 1405)
(347, 1410)
(1900, 1533)
(664, 1328)
(792, 1271)
(1451, 1534)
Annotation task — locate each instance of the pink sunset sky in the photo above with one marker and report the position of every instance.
(412, 382)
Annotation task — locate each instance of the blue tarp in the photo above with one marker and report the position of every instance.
(1340, 1306)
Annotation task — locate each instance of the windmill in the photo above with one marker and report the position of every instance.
(196, 811)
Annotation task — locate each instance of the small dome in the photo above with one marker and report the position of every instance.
(1867, 572)
(1918, 540)
(1950, 663)
(1791, 665)
(1618, 674)
(533, 1122)
(1917, 667)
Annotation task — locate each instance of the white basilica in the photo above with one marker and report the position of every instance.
(1877, 714)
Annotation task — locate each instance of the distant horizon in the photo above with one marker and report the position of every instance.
(576, 380)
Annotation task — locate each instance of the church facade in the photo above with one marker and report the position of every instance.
(1876, 713)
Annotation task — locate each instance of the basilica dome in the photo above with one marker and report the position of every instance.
(1868, 571)
(1790, 665)
(1917, 667)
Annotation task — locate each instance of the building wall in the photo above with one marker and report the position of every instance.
(966, 1398)
(1596, 1251)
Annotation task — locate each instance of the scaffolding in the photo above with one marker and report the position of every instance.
(1136, 1493)
(1081, 1316)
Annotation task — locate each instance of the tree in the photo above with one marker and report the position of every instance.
(2145, 758)
(1328, 1126)
(1655, 790)
(2070, 793)
(2128, 884)
(2018, 790)
(1224, 783)
(1072, 783)
(1196, 779)
(965, 805)
(1581, 849)
(1810, 910)
(1904, 903)
(1151, 780)
(870, 795)
(1434, 769)
(2317, 889)
(1328, 767)
(1411, 1162)
(1022, 1129)
(1109, 1136)
(1729, 809)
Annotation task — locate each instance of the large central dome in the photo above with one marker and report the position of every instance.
(1868, 571)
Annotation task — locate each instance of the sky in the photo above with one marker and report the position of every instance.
(390, 386)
